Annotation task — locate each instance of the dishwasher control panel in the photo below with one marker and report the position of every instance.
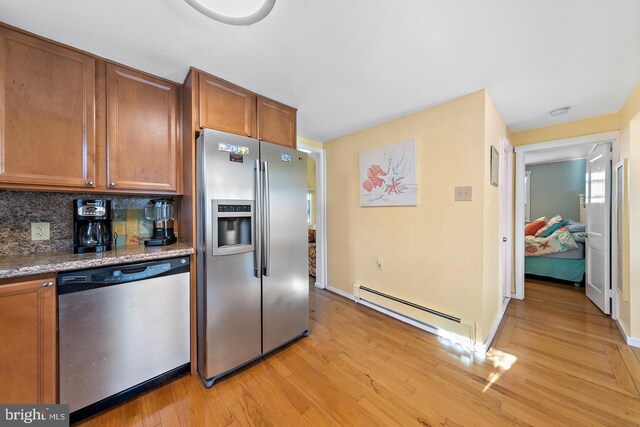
(97, 277)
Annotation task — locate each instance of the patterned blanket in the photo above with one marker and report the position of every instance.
(312, 259)
(560, 241)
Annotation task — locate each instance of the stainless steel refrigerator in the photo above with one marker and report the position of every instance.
(252, 264)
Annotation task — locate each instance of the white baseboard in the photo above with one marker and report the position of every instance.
(484, 347)
(478, 349)
(340, 292)
(634, 342)
(400, 317)
(319, 286)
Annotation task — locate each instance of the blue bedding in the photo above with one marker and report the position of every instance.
(559, 268)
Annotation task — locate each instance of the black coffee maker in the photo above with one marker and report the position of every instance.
(91, 226)
(160, 211)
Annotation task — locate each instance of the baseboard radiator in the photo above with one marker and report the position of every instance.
(426, 318)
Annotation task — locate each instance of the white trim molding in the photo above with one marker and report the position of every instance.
(634, 342)
(319, 155)
(527, 194)
(339, 292)
(494, 328)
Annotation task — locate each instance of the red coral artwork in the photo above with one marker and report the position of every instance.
(531, 249)
(388, 175)
(374, 173)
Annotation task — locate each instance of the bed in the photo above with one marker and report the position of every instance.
(560, 255)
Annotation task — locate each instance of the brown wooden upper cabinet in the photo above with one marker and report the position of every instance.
(47, 113)
(28, 363)
(142, 131)
(276, 122)
(226, 107)
(230, 108)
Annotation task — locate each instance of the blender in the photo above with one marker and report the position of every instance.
(160, 211)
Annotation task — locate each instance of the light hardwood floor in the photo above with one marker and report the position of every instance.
(556, 360)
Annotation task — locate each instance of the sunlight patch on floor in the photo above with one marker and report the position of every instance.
(502, 362)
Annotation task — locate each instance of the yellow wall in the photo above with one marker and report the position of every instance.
(434, 254)
(309, 142)
(631, 107)
(589, 126)
(629, 316)
(311, 173)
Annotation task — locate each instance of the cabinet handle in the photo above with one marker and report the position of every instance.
(47, 284)
(112, 184)
(88, 183)
(249, 135)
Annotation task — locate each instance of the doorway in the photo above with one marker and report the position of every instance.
(317, 214)
(592, 148)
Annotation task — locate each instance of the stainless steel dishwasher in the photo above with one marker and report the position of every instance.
(121, 330)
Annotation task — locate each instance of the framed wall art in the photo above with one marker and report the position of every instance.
(388, 175)
(495, 166)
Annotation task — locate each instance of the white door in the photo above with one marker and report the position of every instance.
(506, 219)
(598, 213)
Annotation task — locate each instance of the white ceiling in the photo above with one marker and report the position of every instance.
(350, 64)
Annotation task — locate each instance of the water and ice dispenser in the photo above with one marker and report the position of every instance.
(233, 226)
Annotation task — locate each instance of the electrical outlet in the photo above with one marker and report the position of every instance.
(463, 194)
(40, 231)
(379, 263)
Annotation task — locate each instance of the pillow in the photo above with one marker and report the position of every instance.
(574, 226)
(579, 237)
(551, 229)
(531, 228)
(556, 219)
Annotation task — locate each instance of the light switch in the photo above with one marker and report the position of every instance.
(463, 194)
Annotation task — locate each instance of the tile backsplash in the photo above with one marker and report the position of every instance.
(130, 227)
(18, 209)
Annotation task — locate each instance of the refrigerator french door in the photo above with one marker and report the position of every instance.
(252, 250)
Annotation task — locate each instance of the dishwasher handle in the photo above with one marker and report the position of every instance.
(132, 270)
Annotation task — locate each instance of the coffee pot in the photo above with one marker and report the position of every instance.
(91, 225)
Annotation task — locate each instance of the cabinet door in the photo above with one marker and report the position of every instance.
(226, 107)
(28, 367)
(276, 122)
(47, 113)
(142, 131)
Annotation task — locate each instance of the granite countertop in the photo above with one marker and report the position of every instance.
(39, 263)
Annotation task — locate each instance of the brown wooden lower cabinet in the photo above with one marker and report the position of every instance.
(28, 372)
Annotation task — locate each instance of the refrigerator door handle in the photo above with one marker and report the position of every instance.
(267, 222)
(257, 220)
